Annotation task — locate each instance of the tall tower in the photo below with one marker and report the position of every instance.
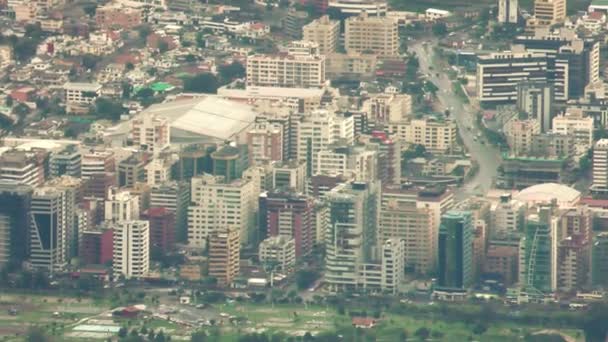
(131, 241)
(455, 250)
(550, 12)
(15, 201)
(538, 253)
(600, 167)
(508, 11)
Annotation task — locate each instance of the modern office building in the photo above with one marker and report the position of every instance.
(175, 197)
(289, 175)
(600, 166)
(131, 246)
(536, 99)
(66, 162)
(15, 203)
(372, 34)
(348, 8)
(224, 256)
(508, 11)
(132, 170)
(599, 260)
(507, 217)
(538, 253)
(265, 142)
(22, 167)
(278, 252)
(549, 12)
(520, 134)
(325, 32)
(290, 215)
(121, 206)
(230, 161)
(499, 74)
(358, 162)
(162, 229)
(216, 204)
(194, 160)
(151, 133)
(455, 255)
(97, 162)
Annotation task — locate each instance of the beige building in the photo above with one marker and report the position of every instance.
(224, 256)
(549, 12)
(351, 64)
(519, 134)
(265, 142)
(6, 55)
(435, 135)
(376, 35)
(279, 251)
(286, 70)
(131, 249)
(575, 125)
(121, 206)
(324, 32)
(357, 162)
(79, 96)
(219, 205)
(151, 133)
(385, 107)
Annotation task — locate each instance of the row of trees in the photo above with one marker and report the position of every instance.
(208, 82)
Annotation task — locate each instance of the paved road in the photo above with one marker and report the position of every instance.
(487, 156)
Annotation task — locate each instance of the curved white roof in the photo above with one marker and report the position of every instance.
(547, 192)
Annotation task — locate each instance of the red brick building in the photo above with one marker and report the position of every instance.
(96, 247)
(162, 228)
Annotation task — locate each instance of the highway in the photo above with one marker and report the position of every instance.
(486, 155)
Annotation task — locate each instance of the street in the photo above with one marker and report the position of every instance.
(486, 155)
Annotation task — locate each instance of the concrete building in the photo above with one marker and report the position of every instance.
(48, 238)
(131, 246)
(162, 229)
(175, 197)
(455, 255)
(325, 32)
(600, 166)
(599, 260)
(387, 108)
(351, 65)
(15, 204)
(265, 143)
(22, 167)
(280, 252)
(519, 134)
(499, 74)
(503, 260)
(508, 11)
(289, 175)
(507, 216)
(132, 170)
(290, 215)
(229, 161)
(549, 12)
(121, 206)
(402, 219)
(79, 96)
(348, 8)
(6, 56)
(216, 204)
(393, 265)
(436, 135)
(114, 16)
(372, 34)
(159, 170)
(97, 162)
(151, 133)
(518, 172)
(536, 99)
(96, 246)
(538, 253)
(357, 162)
(575, 125)
(224, 256)
(66, 162)
(317, 131)
(303, 71)
(389, 156)
(573, 249)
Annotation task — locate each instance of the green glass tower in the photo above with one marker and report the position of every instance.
(455, 247)
(536, 257)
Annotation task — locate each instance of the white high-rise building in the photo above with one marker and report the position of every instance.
(121, 206)
(600, 166)
(358, 162)
(131, 249)
(220, 206)
(151, 133)
(508, 11)
(393, 264)
(507, 216)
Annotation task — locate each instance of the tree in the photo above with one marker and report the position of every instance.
(36, 334)
(403, 335)
(144, 31)
(594, 322)
(122, 332)
(198, 336)
(163, 46)
(90, 61)
(8, 101)
(479, 329)
(231, 71)
(90, 9)
(108, 109)
(145, 93)
(305, 278)
(201, 42)
(129, 66)
(422, 333)
(201, 83)
(439, 29)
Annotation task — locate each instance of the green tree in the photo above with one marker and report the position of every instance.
(231, 71)
(305, 278)
(422, 333)
(201, 42)
(90, 61)
(439, 29)
(129, 66)
(144, 31)
(163, 46)
(8, 101)
(479, 329)
(36, 334)
(198, 336)
(594, 322)
(201, 83)
(108, 109)
(90, 9)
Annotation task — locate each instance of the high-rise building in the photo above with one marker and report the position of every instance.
(317, 131)
(520, 134)
(325, 32)
(549, 12)
(230, 161)
(72, 196)
(290, 215)
(162, 228)
(599, 260)
(435, 134)
(175, 197)
(577, 126)
(48, 229)
(224, 256)
(389, 156)
(348, 8)
(216, 204)
(499, 74)
(502, 260)
(574, 248)
(121, 206)
(66, 162)
(265, 142)
(97, 162)
(388, 107)
(356, 162)
(455, 259)
(508, 217)
(131, 171)
(96, 246)
(401, 219)
(22, 167)
(289, 175)
(151, 133)
(279, 252)
(291, 70)
(131, 245)
(372, 34)
(536, 99)
(15, 203)
(538, 253)
(600, 166)
(508, 11)
(194, 160)
(393, 265)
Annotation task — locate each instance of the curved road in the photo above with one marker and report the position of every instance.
(486, 155)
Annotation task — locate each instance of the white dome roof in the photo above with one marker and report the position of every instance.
(547, 192)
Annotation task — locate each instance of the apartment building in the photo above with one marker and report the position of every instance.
(22, 167)
(519, 134)
(575, 125)
(600, 166)
(372, 34)
(536, 99)
(175, 197)
(118, 16)
(6, 56)
(549, 12)
(357, 162)
(289, 175)
(79, 96)
(151, 133)
(131, 249)
(66, 162)
(387, 107)
(286, 70)
(436, 135)
(507, 216)
(121, 206)
(279, 251)
(325, 32)
(162, 228)
(265, 142)
(97, 162)
(224, 256)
